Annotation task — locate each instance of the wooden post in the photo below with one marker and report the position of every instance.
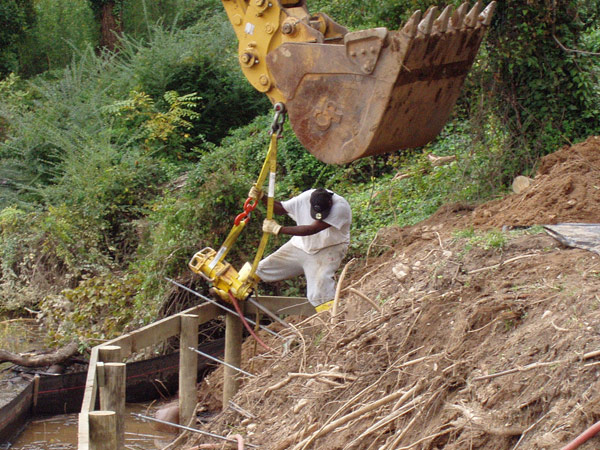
(109, 353)
(112, 397)
(103, 427)
(188, 368)
(233, 356)
(36, 391)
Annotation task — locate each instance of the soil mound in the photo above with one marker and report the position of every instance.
(565, 189)
(451, 339)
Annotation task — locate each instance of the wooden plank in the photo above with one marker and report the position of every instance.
(89, 398)
(289, 306)
(124, 342)
(14, 415)
(83, 431)
(188, 367)
(109, 353)
(155, 333)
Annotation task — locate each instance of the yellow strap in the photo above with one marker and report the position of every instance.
(229, 241)
(269, 166)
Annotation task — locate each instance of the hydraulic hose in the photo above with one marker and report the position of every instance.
(583, 437)
(236, 305)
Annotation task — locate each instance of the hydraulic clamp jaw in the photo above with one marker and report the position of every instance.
(224, 278)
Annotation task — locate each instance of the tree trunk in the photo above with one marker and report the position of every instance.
(111, 27)
(47, 359)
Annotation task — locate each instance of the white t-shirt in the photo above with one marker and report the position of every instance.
(340, 219)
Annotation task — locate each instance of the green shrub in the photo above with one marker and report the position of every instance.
(63, 28)
(16, 17)
(202, 60)
(98, 309)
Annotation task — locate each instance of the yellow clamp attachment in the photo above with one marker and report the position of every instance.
(222, 275)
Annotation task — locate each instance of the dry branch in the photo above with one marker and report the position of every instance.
(338, 288)
(46, 359)
(495, 266)
(365, 329)
(437, 161)
(288, 441)
(522, 369)
(388, 418)
(317, 375)
(367, 299)
(358, 413)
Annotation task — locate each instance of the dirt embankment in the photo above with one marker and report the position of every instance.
(481, 340)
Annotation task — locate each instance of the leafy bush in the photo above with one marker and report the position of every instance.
(201, 60)
(139, 16)
(544, 95)
(98, 309)
(62, 29)
(16, 17)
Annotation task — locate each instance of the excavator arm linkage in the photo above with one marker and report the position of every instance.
(356, 94)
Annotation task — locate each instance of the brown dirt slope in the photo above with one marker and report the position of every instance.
(484, 339)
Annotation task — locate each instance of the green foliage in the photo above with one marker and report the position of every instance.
(44, 252)
(99, 308)
(16, 17)
(139, 16)
(493, 239)
(544, 95)
(202, 60)
(156, 131)
(62, 29)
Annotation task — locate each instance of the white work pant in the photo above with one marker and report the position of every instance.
(289, 261)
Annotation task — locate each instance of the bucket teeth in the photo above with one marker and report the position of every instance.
(473, 16)
(441, 23)
(486, 16)
(426, 25)
(458, 17)
(410, 27)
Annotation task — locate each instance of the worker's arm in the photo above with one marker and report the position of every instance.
(305, 230)
(277, 208)
(272, 227)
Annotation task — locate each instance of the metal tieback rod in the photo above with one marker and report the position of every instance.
(191, 429)
(221, 362)
(269, 313)
(229, 310)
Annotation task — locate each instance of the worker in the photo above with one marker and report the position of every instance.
(319, 242)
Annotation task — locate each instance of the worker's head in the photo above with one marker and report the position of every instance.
(321, 201)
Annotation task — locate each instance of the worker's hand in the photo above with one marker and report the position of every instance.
(255, 193)
(270, 226)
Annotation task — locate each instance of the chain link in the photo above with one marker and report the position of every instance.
(278, 120)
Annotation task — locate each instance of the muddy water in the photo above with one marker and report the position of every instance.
(60, 432)
(16, 336)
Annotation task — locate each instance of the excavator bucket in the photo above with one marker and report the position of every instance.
(356, 94)
(380, 91)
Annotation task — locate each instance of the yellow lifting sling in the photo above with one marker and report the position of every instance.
(211, 264)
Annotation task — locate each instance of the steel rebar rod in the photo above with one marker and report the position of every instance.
(229, 310)
(206, 355)
(268, 312)
(176, 425)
